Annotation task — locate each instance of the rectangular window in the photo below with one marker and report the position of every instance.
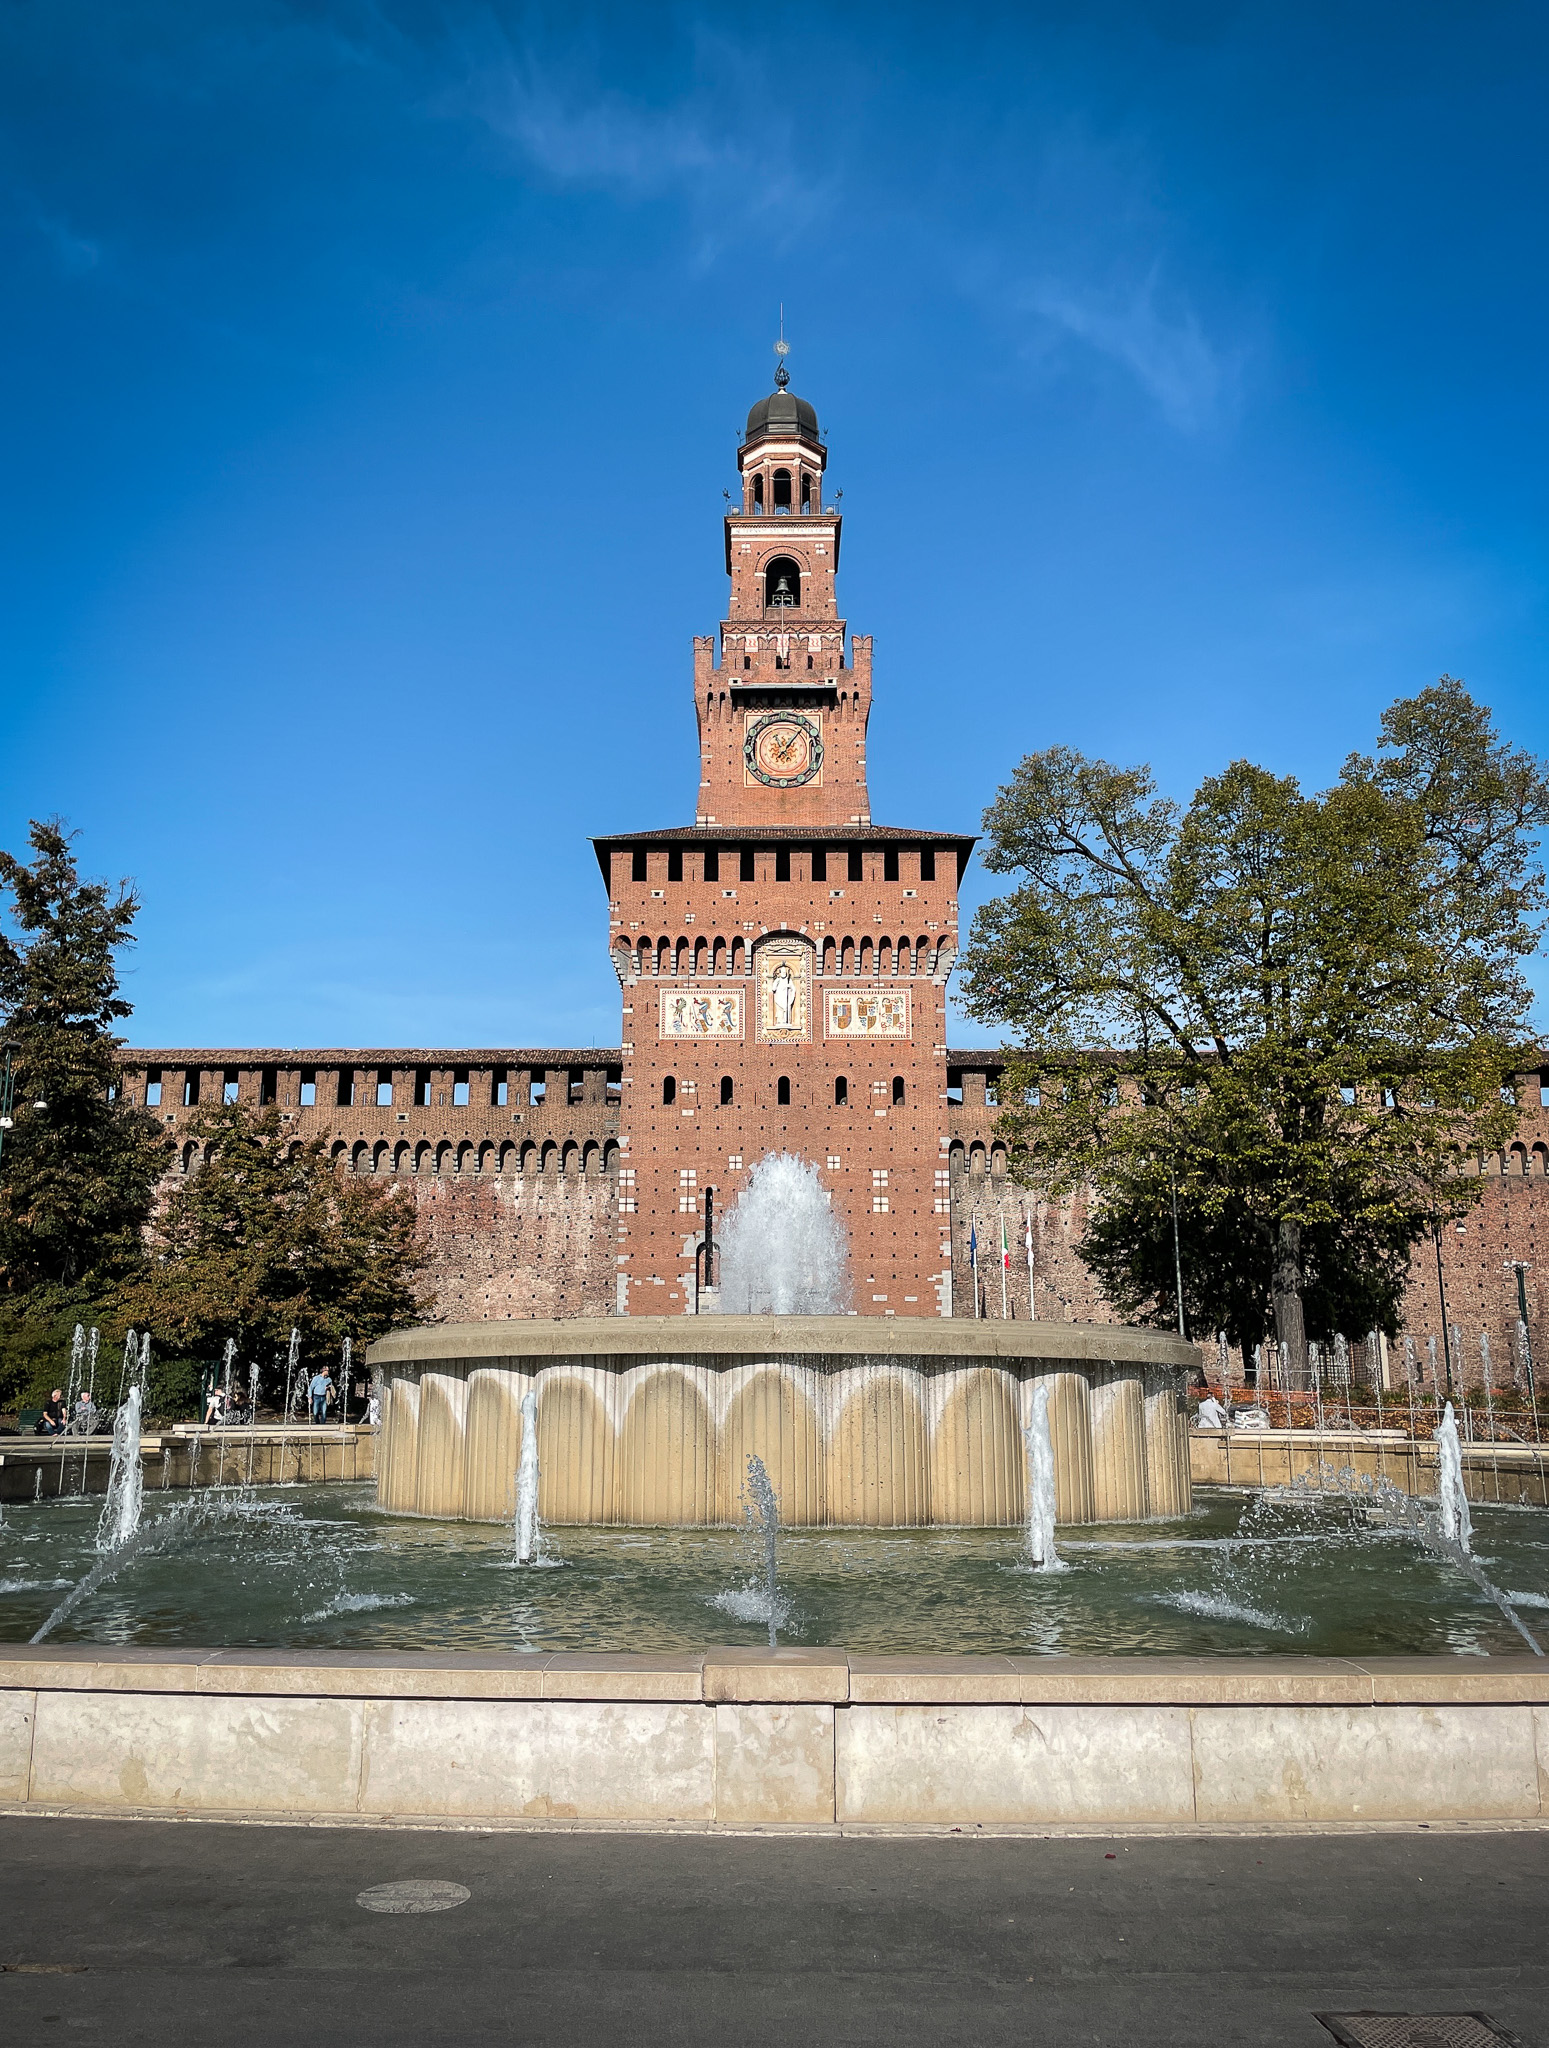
(627, 1190)
(460, 1088)
(536, 1092)
(820, 863)
(268, 1087)
(230, 1085)
(675, 864)
(943, 1191)
(1347, 1095)
(890, 864)
(384, 1088)
(153, 1088)
(712, 863)
(879, 1176)
(782, 863)
(575, 1086)
(308, 1088)
(927, 863)
(422, 1087)
(637, 867)
(992, 1095)
(954, 1094)
(879, 1208)
(1032, 1096)
(734, 1162)
(497, 1094)
(834, 1162)
(344, 1097)
(857, 865)
(745, 869)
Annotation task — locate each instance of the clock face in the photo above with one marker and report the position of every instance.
(783, 750)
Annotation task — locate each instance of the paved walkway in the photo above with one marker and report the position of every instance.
(209, 1933)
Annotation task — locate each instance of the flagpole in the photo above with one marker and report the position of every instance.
(1027, 1220)
(973, 1260)
(1005, 1261)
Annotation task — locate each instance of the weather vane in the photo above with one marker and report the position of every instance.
(782, 349)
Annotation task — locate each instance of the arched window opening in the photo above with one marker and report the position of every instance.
(806, 491)
(898, 1089)
(782, 585)
(782, 490)
(669, 1091)
(726, 1090)
(758, 490)
(828, 957)
(783, 1091)
(841, 1092)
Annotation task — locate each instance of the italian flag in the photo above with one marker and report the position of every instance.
(1005, 1249)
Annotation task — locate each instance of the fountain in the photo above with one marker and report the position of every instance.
(783, 1250)
(1455, 1524)
(1041, 1503)
(121, 1510)
(528, 1528)
(763, 1516)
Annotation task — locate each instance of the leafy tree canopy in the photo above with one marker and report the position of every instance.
(1296, 1012)
(78, 1168)
(269, 1236)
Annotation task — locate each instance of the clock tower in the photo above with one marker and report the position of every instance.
(782, 719)
(784, 960)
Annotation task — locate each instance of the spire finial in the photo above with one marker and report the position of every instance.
(782, 349)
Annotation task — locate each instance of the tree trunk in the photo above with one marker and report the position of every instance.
(1287, 1284)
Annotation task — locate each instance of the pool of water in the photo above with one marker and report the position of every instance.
(317, 1567)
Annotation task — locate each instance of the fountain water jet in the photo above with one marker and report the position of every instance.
(1040, 1484)
(783, 1249)
(763, 1517)
(529, 1530)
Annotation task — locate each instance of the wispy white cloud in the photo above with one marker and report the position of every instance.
(1194, 381)
(733, 178)
(74, 254)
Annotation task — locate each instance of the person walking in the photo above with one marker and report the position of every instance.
(321, 1390)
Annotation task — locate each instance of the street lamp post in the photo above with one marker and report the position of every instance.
(7, 1093)
(1520, 1268)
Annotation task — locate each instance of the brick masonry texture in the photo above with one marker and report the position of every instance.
(783, 964)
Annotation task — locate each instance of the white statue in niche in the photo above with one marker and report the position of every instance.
(782, 996)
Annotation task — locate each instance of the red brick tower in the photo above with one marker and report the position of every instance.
(784, 961)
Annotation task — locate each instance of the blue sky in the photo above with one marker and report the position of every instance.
(373, 373)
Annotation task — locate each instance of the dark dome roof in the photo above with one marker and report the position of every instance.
(782, 412)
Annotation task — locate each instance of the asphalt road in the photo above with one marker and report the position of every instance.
(200, 1933)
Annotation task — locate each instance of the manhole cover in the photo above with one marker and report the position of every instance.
(1416, 2030)
(413, 1895)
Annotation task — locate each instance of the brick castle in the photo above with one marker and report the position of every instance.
(783, 963)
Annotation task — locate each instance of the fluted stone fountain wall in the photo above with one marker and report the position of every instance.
(860, 1422)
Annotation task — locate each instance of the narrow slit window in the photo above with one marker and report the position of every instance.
(783, 1091)
(726, 1090)
(669, 1090)
(841, 1091)
(898, 1088)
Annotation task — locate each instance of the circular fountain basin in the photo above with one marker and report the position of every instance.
(860, 1421)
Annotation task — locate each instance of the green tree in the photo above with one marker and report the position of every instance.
(269, 1236)
(79, 1168)
(1294, 1014)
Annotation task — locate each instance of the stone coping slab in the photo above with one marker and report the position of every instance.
(673, 1338)
(736, 1675)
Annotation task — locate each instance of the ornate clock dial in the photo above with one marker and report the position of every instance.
(783, 750)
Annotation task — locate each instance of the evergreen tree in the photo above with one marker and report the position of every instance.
(1295, 1015)
(78, 1168)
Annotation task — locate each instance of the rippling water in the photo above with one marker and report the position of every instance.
(314, 1567)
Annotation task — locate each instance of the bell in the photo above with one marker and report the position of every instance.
(782, 591)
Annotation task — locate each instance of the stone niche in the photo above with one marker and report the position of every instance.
(651, 1422)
